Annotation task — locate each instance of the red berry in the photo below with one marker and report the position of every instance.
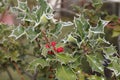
(53, 43)
(50, 52)
(47, 46)
(60, 49)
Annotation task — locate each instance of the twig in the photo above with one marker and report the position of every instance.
(44, 34)
(9, 74)
(35, 74)
(67, 11)
(38, 43)
(39, 46)
(26, 73)
(18, 70)
(33, 55)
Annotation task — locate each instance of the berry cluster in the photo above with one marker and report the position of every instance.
(53, 46)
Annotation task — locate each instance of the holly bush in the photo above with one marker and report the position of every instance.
(42, 48)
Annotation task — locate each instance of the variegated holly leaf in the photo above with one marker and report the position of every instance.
(94, 77)
(115, 65)
(65, 73)
(97, 3)
(95, 62)
(82, 26)
(57, 29)
(100, 26)
(65, 58)
(37, 62)
(32, 34)
(44, 8)
(109, 51)
(17, 32)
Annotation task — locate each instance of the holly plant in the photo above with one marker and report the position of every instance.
(41, 47)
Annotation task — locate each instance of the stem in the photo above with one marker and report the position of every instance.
(38, 43)
(33, 55)
(18, 70)
(67, 11)
(27, 74)
(35, 74)
(39, 46)
(9, 74)
(47, 40)
(44, 34)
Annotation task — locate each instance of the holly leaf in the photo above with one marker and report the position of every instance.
(94, 77)
(12, 55)
(57, 29)
(109, 51)
(65, 58)
(100, 26)
(22, 5)
(31, 34)
(80, 74)
(17, 32)
(37, 62)
(82, 26)
(115, 66)
(65, 73)
(95, 62)
(72, 39)
(97, 3)
(67, 23)
(44, 51)
(44, 8)
(115, 33)
(102, 41)
(22, 9)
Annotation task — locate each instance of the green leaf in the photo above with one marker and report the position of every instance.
(100, 26)
(65, 58)
(22, 5)
(44, 52)
(94, 77)
(57, 29)
(102, 41)
(71, 39)
(22, 8)
(95, 62)
(67, 23)
(17, 32)
(97, 3)
(32, 34)
(12, 55)
(115, 33)
(44, 8)
(65, 73)
(82, 26)
(109, 51)
(37, 62)
(43, 19)
(80, 74)
(115, 66)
